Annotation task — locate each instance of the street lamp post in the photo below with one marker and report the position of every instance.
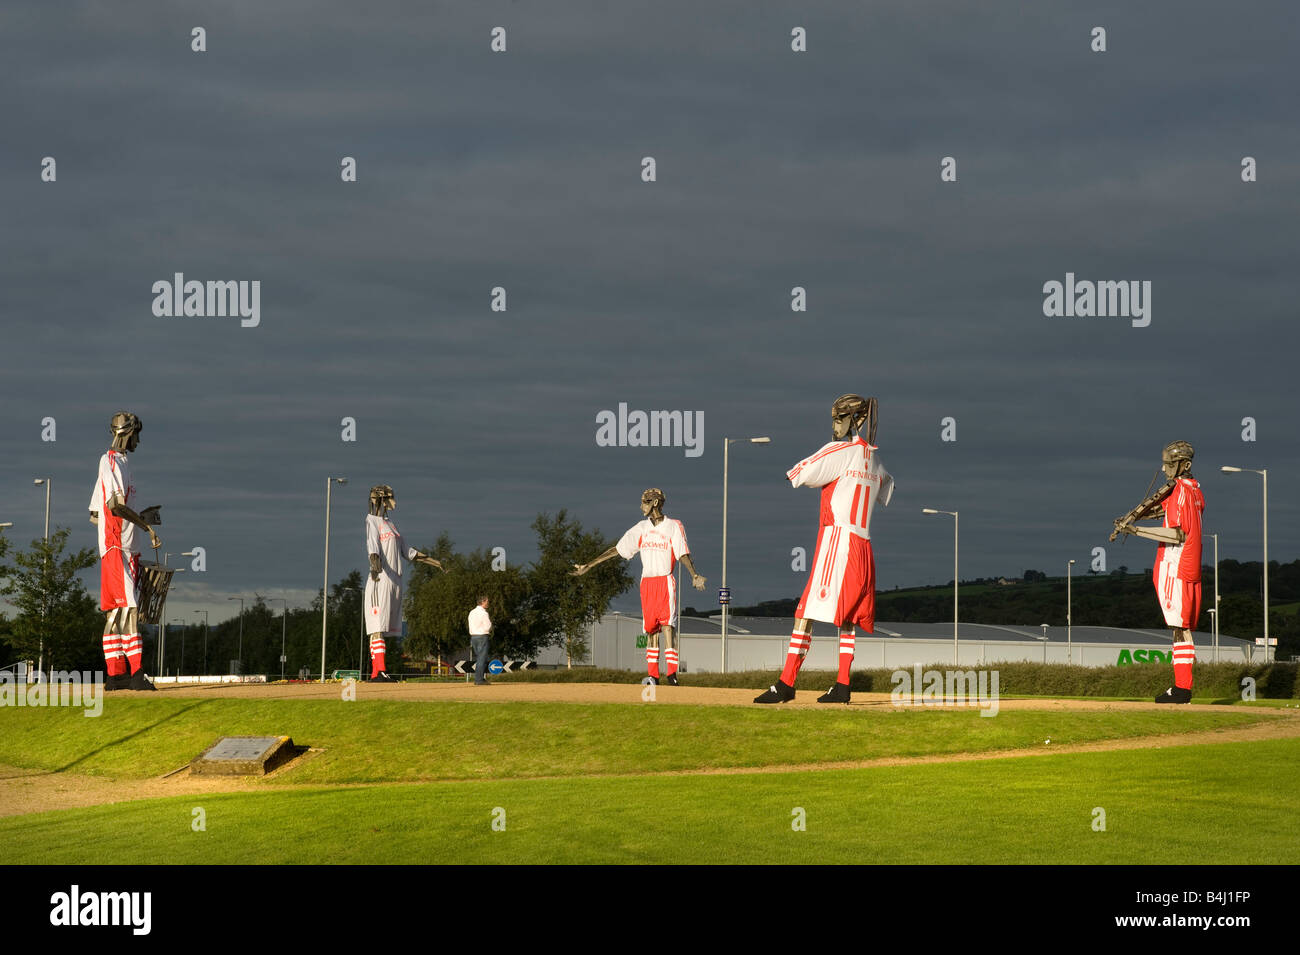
(1069, 612)
(953, 514)
(284, 618)
(726, 460)
(241, 633)
(162, 628)
(1264, 474)
(361, 659)
(1215, 611)
(181, 621)
(205, 640)
(325, 589)
(49, 483)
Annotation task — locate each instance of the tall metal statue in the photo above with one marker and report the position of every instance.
(661, 541)
(120, 571)
(841, 588)
(383, 596)
(1177, 573)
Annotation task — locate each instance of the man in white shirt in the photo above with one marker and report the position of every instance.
(841, 588)
(661, 542)
(383, 597)
(480, 626)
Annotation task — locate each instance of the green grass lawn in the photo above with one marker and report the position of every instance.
(1204, 805)
(406, 741)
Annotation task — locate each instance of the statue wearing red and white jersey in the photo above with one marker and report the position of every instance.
(841, 588)
(1177, 572)
(112, 510)
(661, 542)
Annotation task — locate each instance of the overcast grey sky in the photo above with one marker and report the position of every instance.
(522, 170)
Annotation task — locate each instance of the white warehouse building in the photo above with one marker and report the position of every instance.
(759, 643)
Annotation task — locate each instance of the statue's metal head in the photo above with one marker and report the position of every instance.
(652, 502)
(853, 414)
(382, 499)
(125, 428)
(1176, 459)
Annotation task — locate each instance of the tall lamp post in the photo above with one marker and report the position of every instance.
(205, 640)
(953, 514)
(1264, 473)
(325, 589)
(1215, 611)
(361, 657)
(1069, 612)
(181, 621)
(162, 628)
(725, 598)
(49, 483)
(241, 633)
(284, 616)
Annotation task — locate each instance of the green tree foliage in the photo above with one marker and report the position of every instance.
(531, 607)
(265, 628)
(52, 604)
(567, 606)
(438, 604)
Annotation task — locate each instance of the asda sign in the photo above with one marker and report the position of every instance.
(1144, 656)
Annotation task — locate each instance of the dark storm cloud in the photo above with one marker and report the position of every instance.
(522, 170)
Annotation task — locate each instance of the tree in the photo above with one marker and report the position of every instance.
(567, 606)
(531, 608)
(54, 611)
(438, 604)
(344, 648)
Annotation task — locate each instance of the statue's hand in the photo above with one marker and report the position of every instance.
(698, 582)
(578, 570)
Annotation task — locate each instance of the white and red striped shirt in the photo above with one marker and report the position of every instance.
(852, 480)
(661, 546)
(1183, 509)
(114, 480)
(383, 538)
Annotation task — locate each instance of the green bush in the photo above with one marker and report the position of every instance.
(1218, 680)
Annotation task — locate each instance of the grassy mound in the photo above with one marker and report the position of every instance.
(394, 741)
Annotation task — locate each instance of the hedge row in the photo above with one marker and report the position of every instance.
(1217, 680)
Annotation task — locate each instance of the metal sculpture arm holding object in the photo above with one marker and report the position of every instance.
(1149, 508)
(1176, 462)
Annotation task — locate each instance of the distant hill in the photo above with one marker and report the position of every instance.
(1117, 599)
